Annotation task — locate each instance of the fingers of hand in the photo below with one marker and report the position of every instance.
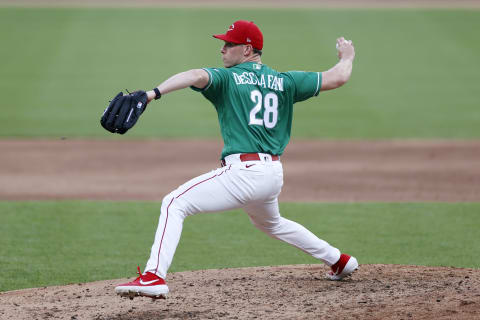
(343, 42)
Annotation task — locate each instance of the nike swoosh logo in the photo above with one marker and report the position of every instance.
(249, 165)
(145, 283)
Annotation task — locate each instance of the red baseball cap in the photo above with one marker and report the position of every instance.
(243, 32)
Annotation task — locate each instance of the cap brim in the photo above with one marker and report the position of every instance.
(224, 37)
(220, 36)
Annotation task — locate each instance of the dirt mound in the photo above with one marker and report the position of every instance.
(282, 292)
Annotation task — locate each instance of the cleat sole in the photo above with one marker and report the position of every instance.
(132, 294)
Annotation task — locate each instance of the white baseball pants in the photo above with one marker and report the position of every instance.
(252, 185)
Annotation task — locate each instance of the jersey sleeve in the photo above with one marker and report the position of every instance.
(217, 81)
(305, 84)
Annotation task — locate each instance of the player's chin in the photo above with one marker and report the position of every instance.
(227, 64)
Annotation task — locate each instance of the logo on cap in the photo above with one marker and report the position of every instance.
(248, 40)
(231, 27)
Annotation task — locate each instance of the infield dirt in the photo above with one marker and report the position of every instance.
(326, 171)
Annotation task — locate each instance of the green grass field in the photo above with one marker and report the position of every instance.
(415, 75)
(48, 243)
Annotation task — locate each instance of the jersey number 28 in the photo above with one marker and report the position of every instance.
(270, 103)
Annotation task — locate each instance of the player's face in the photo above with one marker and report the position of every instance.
(232, 54)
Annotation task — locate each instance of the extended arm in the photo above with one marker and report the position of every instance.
(124, 110)
(195, 77)
(339, 74)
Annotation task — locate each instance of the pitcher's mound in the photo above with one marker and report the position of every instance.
(282, 292)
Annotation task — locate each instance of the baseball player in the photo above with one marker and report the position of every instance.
(255, 105)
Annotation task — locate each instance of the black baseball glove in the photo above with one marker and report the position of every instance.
(123, 111)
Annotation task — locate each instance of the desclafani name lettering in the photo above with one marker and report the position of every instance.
(271, 82)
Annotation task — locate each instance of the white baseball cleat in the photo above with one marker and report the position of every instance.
(146, 285)
(344, 267)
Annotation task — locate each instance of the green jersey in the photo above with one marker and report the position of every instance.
(255, 105)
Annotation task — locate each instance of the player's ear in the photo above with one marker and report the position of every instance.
(247, 49)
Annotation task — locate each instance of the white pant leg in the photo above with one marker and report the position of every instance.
(265, 215)
(254, 186)
(218, 190)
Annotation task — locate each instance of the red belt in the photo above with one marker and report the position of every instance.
(254, 157)
(251, 157)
